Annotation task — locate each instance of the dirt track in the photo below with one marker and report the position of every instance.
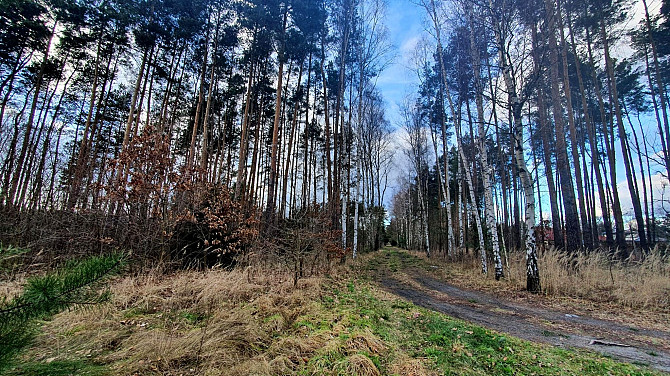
(630, 344)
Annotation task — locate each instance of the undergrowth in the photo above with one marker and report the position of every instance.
(243, 322)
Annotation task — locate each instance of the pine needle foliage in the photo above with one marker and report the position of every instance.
(75, 284)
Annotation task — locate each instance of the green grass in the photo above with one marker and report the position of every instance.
(453, 346)
(393, 260)
(7, 251)
(58, 368)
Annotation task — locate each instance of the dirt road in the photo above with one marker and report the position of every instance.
(563, 329)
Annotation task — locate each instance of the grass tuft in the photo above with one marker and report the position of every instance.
(366, 342)
(357, 365)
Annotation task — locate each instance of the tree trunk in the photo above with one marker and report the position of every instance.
(121, 179)
(198, 109)
(242, 159)
(473, 207)
(572, 228)
(660, 84)
(18, 171)
(432, 13)
(611, 157)
(586, 225)
(491, 222)
(272, 197)
(516, 107)
(591, 130)
(204, 153)
(622, 138)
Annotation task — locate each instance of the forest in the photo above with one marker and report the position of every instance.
(210, 121)
(154, 145)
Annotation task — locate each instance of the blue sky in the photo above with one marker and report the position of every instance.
(405, 26)
(404, 21)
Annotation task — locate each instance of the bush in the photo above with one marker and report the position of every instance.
(215, 234)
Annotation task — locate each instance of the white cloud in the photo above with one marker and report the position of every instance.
(661, 192)
(409, 45)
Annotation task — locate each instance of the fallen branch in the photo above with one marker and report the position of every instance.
(604, 343)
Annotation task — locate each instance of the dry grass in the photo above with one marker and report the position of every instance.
(359, 365)
(641, 283)
(214, 323)
(365, 342)
(9, 289)
(406, 366)
(594, 276)
(206, 323)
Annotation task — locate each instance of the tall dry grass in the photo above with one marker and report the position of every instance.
(217, 322)
(189, 322)
(637, 283)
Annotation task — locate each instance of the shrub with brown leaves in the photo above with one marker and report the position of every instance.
(215, 233)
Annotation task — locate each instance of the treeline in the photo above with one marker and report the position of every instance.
(210, 121)
(519, 98)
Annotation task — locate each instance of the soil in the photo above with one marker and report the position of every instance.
(564, 329)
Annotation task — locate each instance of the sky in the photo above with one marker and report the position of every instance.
(404, 21)
(405, 26)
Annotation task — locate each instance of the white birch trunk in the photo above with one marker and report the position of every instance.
(344, 221)
(432, 13)
(532, 272)
(489, 213)
(424, 220)
(472, 208)
(461, 233)
(356, 199)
